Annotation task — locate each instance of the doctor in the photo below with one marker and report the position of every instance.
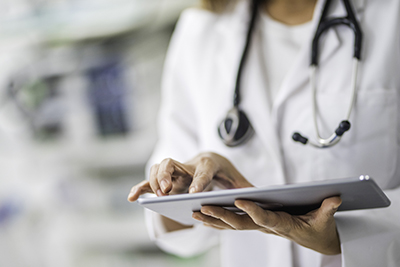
(276, 97)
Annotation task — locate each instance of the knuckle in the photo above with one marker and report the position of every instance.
(205, 157)
(205, 154)
(153, 169)
(164, 175)
(205, 160)
(168, 161)
(141, 184)
(264, 222)
(154, 185)
(202, 175)
(168, 165)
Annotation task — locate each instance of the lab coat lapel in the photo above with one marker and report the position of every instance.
(298, 75)
(232, 32)
(257, 104)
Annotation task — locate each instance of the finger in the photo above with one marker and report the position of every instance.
(153, 180)
(215, 227)
(203, 175)
(210, 221)
(237, 222)
(261, 217)
(330, 205)
(166, 170)
(138, 190)
(164, 175)
(328, 208)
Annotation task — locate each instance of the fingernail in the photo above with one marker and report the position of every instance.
(159, 193)
(131, 194)
(193, 189)
(239, 205)
(164, 185)
(207, 212)
(197, 217)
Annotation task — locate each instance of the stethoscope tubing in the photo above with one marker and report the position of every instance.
(334, 138)
(325, 23)
(254, 11)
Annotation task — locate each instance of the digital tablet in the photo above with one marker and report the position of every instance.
(356, 193)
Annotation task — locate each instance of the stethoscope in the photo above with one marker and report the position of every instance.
(236, 128)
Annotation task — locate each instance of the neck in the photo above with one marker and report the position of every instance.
(291, 12)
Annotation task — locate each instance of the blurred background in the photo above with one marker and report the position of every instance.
(79, 94)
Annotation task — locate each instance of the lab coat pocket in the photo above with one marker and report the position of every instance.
(371, 145)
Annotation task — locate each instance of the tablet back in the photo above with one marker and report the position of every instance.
(356, 193)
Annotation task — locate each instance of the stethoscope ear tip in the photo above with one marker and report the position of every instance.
(297, 137)
(344, 126)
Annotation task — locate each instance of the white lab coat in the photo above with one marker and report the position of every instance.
(198, 87)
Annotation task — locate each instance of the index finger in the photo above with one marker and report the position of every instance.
(163, 180)
(138, 190)
(203, 175)
(261, 217)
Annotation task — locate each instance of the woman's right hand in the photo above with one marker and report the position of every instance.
(172, 177)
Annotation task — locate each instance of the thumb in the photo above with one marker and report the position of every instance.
(328, 208)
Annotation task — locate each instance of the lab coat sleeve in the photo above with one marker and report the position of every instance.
(177, 131)
(371, 237)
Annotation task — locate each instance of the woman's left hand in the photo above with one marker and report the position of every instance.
(315, 230)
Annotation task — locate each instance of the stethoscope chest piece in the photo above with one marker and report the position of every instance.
(236, 128)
